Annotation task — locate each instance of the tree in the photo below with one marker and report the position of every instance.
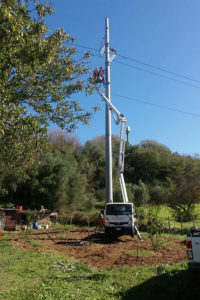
(159, 193)
(141, 193)
(63, 142)
(93, 162)
(184, 184)
(39, 76)
(56, 183)
(154, 145)
(154, 229)
(148, 162)
(9, 181)
(185, 193)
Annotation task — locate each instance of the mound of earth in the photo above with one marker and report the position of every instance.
(96, 250)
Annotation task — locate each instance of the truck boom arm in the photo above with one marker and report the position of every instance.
(118, 117)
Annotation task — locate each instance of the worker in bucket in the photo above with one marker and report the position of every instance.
(95, 74)
(101, 73)
(98, 75)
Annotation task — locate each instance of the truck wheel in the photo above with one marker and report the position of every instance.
(107, 232)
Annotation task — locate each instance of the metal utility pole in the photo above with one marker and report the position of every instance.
(109, 180)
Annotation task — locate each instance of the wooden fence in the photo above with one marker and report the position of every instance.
(179, 225)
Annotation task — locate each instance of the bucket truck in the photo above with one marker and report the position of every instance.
(119, 216)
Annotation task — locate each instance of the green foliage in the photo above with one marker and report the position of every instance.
(31, 216)
(71, 177)
(39, 75)
(154, 229)
(100, 142)
(148, 162)
(93, 164)
(64, 143)
(56, 181)
(141, 253)
(170, 178)
(130, 192)
(10, 179)
(141, 193)
(78, 218)
(183, 213)
(154, 224)
(141, 218)
(31, 241)
(158, 193)
(185, 191)
(145, 144)
(65, 218)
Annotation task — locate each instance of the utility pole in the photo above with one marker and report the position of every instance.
(109, 180)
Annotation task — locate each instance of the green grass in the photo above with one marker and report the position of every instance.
(62, 227)
(166, 211)
(141, 253)
(32, 242)
(36, 275)
(61, 237)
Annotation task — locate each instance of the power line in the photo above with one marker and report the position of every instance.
(156, 105)
(85, 47)
(144, 101)
(157, 74)
(147, 71)
(148, 65)
(92, 54)
(158, 68)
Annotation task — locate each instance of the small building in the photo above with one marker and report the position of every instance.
(12, 219)
(9, 218)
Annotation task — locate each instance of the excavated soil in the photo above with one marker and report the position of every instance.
(94, 249)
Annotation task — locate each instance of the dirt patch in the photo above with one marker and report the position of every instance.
(96, 250)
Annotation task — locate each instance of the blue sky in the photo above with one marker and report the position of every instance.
(162, 33)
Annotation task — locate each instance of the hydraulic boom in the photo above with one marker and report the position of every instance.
(119, 216)
(118, 117)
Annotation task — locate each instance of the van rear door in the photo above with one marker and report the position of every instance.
(196, 248)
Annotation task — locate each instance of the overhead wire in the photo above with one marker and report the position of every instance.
(156, 105)
(148, 65)
(145, 101)
(156, 74)
(147, 71)
(158, 68)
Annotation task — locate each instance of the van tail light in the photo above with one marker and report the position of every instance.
(189, 250)
(189, 244)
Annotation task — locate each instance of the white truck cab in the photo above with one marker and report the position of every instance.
(193, 248)
(119, 218)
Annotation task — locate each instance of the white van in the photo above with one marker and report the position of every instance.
(193, 248)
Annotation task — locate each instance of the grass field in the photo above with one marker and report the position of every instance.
(38, 275)
(166, 212)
